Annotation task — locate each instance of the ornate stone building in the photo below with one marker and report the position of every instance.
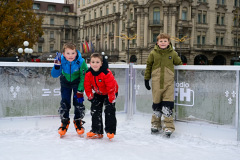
(59, 25)
(207, 29)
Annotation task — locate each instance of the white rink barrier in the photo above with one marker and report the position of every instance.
(202, 93)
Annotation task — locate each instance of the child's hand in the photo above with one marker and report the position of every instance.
(94, 101)
(147, 84)
(57, 60)
(79, 96)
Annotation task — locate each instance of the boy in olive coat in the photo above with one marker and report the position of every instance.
(160, 67)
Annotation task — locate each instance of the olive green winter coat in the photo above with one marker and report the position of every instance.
(160, 67)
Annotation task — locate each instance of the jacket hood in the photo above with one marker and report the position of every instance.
(103, 68)
(167, 50)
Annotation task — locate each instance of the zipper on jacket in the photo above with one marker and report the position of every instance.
(70, 72)
(96, 84)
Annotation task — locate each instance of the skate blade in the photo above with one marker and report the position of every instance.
(62, 133)
(95, 137)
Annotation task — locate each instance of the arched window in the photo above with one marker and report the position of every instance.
(133, 58)
(156, 15)
(201, 60)
(219, 60)
(184, 13)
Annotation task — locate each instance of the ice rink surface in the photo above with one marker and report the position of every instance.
(36, 138)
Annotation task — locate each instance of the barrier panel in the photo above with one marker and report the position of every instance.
(27, 89)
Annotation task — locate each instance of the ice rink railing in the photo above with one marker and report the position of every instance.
(213, 89)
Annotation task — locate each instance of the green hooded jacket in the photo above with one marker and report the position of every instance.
(161, 59)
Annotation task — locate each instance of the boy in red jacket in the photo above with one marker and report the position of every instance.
(100, 79)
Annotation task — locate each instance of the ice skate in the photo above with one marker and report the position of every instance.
(92, 135)
(110, 136)
(155, 129)
(168, 133)
(64, 126)
(78, 123)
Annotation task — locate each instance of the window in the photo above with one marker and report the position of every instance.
(201, 38)
(236, 20)
(100, 12)
(155, 37)
(184, 13)
(106, 28)
(222, 41)
(199, 18)
(66, 35)
(156, 15)
(123, 26)
(52, 34)
(123, 45)
(65, 22)
(66, 9)
(113, 28)
(220, 18)
(51, 8)
(134, 41)
(83, 18)
(131, 16)
(51, 21)
(221, 2)
(107, 10)
(79, 3)
(105, 45)
(40, 49)
(114, 8)
(202, 17)
(100, 31)
(112, 45)
(36, 6)
(217, 41)
(89, 1)
(95, 14)
(83, 2)
(51, 47)
(94, 32)
(89, 15)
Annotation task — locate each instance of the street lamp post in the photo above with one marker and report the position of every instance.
(26, 50)
(128, 33)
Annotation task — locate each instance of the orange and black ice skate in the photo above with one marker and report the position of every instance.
(110, 136)
(78, 123)
(64, 127)
(92, 135)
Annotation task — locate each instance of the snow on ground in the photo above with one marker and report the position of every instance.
(36, 138)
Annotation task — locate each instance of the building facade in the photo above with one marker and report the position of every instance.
(202, 31)
(59, 25)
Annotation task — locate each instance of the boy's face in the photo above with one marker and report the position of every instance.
(163, 43)
(70, 54)
(95, 63)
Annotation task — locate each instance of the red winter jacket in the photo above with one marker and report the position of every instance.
(102, 82)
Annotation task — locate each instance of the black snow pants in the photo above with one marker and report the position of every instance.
(96, 113)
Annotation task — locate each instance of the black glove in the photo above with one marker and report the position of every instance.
(147, 84)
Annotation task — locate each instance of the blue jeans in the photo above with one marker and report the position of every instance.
(79, 108)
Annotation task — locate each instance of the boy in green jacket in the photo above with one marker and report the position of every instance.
(160, 67)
